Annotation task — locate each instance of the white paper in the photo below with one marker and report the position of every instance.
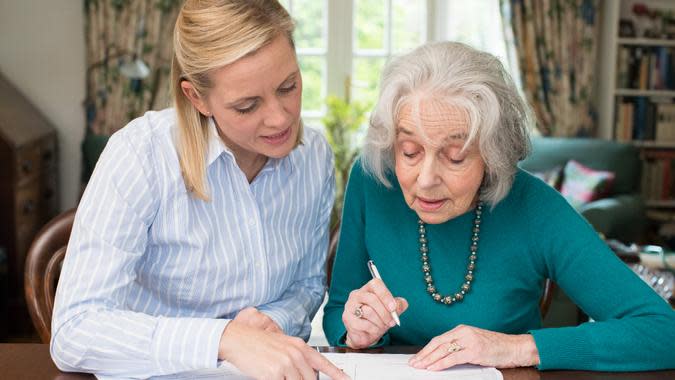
(395, 367)
(359, 367)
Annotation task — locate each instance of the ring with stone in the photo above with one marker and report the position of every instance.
(454, 347)
(358, 312)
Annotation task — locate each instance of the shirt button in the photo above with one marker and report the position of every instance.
(251, 222)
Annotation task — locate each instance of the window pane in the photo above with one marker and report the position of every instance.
(313, 72)
(366, 79)
(369, 24)
(477, 23)
(409, 24)
(309, 23)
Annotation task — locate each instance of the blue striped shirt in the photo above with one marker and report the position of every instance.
(153, 275)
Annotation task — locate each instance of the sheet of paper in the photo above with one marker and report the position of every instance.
(395, 367)
(358, 367)
(224, 371)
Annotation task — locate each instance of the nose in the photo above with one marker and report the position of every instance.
(429, 175)
(276, 115)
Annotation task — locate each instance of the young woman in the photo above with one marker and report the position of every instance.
(203, 232)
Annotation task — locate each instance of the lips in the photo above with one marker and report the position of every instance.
(278, 138)
(429, 204)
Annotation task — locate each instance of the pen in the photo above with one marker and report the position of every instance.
(373, 272)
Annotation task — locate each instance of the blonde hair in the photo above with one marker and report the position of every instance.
(208, 35)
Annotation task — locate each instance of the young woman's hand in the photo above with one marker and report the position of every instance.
(250, 316)
(367, 313)
(266, 355)
(466, 344)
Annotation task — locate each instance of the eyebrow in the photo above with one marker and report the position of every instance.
(233, 103)
(456, 136)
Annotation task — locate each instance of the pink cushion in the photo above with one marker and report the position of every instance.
(582, 184)
(552, 177)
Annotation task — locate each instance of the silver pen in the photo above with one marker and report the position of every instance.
(373, 272)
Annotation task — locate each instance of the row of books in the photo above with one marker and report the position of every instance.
(645, 118)
(658, 177)
(643, 67)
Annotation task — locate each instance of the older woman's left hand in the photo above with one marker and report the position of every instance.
(466, 344)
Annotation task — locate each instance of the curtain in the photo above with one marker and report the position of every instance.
(555, 42)
(119, 34)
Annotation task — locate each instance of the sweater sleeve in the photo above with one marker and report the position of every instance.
(349, 270)
(633, 328)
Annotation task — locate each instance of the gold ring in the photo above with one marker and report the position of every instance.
(359, 312)
(454, 347)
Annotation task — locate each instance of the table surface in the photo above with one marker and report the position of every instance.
(32, 361)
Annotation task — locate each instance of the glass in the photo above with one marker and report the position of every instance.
(408, 24)
(309, 17)
(369, 24)
(366, 78)
(313, 74)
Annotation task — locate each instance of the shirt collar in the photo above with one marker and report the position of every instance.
(216, 147)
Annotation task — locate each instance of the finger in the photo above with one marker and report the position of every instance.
(402, 305)
(368, 312)
(372, 300)
(304, 369)
(372, 316)
(363, 325)
(378, 287)
(459, 357)
(321, 364)
(439, 353)
(428, 349)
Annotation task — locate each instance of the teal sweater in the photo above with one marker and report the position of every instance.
(531, 235)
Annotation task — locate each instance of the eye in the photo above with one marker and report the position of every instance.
(247, 109)
(287, 89)
(456, 162)
(411, 154)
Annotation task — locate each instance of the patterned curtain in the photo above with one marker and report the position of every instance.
(555, 42)
(128, 59)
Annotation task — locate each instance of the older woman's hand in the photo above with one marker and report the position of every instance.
(466, 344)
(367, 313)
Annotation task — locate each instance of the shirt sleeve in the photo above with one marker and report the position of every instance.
(634, 328)
(294, 311)
(93, 329)
(349, 270)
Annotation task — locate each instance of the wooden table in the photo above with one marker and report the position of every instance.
(32, 361)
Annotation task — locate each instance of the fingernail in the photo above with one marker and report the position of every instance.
(392, 306)
(392, 323)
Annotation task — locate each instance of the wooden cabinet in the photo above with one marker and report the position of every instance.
(28, 190)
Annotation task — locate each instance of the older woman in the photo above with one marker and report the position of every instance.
(465, 240)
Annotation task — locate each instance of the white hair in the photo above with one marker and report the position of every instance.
(474, 81)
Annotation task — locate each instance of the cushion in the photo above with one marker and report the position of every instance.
(552, 177)
(582, 184)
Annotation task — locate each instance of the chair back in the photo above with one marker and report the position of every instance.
(43, 267)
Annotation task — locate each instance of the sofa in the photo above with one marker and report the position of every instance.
(620, 213)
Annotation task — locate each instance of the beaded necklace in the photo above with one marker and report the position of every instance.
(426, 265)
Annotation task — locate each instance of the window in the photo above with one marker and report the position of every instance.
(342, 45)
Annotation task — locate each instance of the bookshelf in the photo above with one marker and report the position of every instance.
(636, 94)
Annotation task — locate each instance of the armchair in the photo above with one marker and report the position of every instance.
(621, 214)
